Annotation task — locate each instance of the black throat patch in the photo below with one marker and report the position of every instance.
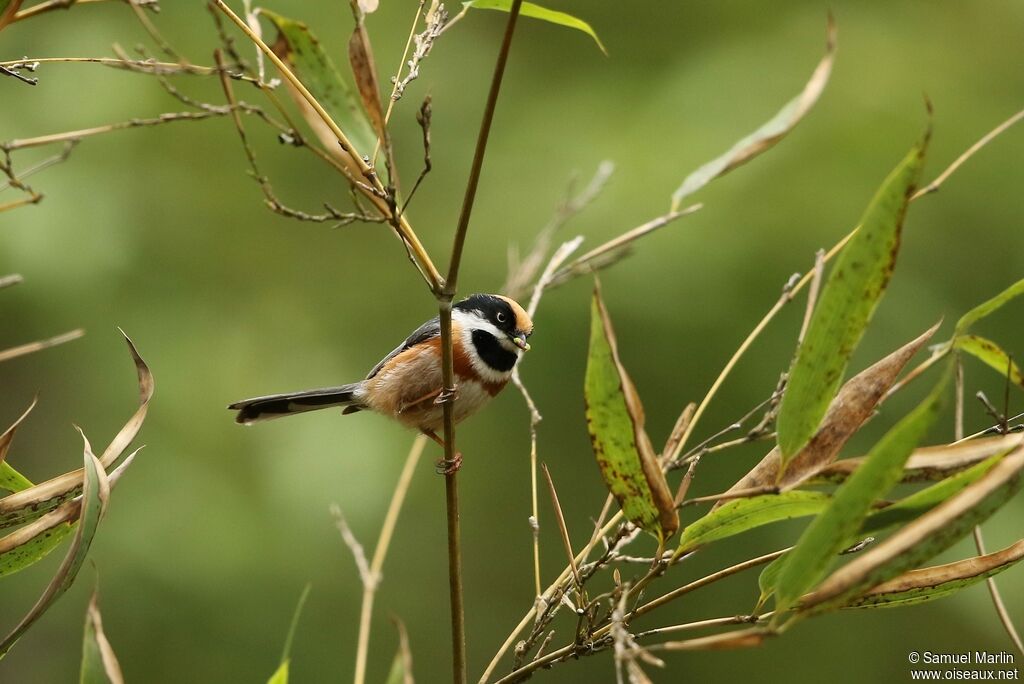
(492, 353)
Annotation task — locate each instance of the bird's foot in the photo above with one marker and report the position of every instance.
(446, 395)
(445, 467)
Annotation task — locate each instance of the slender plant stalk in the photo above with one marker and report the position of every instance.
(380, 552)
(447, 294)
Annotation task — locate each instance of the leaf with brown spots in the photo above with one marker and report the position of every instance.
(929, 535)
(853, 290)
(615, 420)
(299, 48)
(992, 355)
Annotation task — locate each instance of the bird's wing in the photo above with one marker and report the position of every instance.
(431, 328)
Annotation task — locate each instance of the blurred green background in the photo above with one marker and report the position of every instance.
(215, 530)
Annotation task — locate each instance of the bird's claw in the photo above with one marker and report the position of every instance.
(446, 395)
(445, 467)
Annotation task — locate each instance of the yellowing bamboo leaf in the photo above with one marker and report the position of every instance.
(534, 11)
(741, 515)
(853, 405)
(615, 420)
(765, 137)
(854, 288)
(827, 534)
(929, 535)
(298, 47)
(928, 584)
(99, 663)
(986, 308)
(989, 353)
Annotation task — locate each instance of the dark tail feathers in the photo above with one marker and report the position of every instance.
(277, 405)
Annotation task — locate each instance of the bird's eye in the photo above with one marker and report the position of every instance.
(501, 317)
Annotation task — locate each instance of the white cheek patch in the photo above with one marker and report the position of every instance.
(467, 323)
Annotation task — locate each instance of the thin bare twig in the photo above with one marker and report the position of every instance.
(380, 553)
(31, 347)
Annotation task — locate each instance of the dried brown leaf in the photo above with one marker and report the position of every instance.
(360, 56)
(853, 405)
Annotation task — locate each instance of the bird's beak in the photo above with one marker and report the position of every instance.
(520, 341)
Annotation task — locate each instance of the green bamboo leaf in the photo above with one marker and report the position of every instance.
(827, 534)
(928, 584)
(855, 286)
(280, 675)
(401, 665)
(989, 353)
(11, 479)
(297, 46)
(92, 504)
(770, 133)
(615, 420)
(99, 663)
(992, 305)
(929, 535)
(740, 515)
(529, 9)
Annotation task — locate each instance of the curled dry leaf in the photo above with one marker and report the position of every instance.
(29, 504)
(615, 420)
(854, 404)
(928, 584)
(765, 137)
(931, 534)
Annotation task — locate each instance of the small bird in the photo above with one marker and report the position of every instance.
(489, 334)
